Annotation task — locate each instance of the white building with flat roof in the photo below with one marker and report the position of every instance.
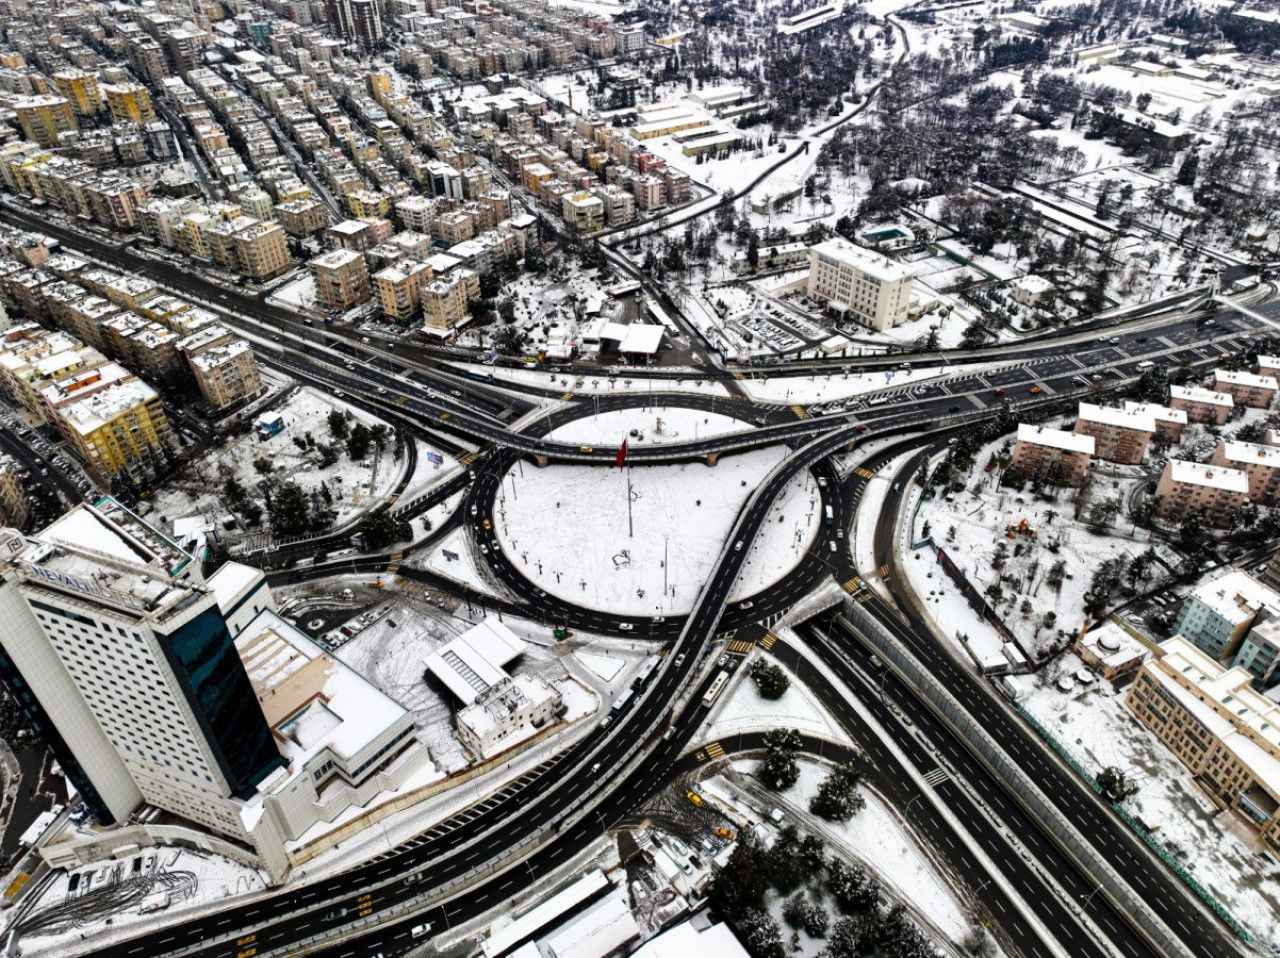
(856, 282)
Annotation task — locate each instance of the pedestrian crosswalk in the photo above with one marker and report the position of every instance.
(800, 412)
(714, 751)
(739, 647)
(567, 396)
(883, 571)
(936, 777)
(469, 458)
(864, 473)
(768, 640)
(854, 585)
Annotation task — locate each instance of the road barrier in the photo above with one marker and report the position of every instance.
(1023, 788)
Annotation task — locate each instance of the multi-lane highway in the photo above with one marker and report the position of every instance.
(616, 765)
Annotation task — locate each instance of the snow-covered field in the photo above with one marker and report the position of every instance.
(653, 426)
(746, 710)
(566, 529)
(812, 389)
(1093, 723)
(980, 515)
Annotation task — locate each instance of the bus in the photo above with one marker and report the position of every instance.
(713, 692)
(830, 515)
(878, 400)
(623, 700)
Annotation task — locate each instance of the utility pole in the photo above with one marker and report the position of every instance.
(664, 565)
(631, 528)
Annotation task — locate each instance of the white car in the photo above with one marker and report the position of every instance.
(625, 626)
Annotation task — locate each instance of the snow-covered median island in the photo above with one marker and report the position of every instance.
(566, 529)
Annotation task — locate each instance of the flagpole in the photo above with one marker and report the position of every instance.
(631, 529)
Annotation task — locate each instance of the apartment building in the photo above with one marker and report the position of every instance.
(1261, 463)
(304, 217)
(399, 288)
(223, 365)
(1118, 436)
(1202, 405)
(81, 90)
(444, 301)
(859, 284)
(582, 212)
(1051, 455)
(341, 279)
(1213, 492)
(14, 508)
(1218, 614)
(119, 431)
(1268, 366)
(1169, 422)
(1259, 653)
(44, 118)
(262, 251)
(1247, 389)
(1226, 733)
(129, 103)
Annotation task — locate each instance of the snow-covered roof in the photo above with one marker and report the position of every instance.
(1112, 645)
(1268, 362)
(642, 338)
(1238, 377)
(1110, 416)
(311, 700)
(1157, 412)
(475, 660)
(1200, 395)
(1252, 453)
(717, 941)
(1236, 596)
(534, 920)
(1055, 438)
(1215, 477)
(1033, 283)
(109, 528)
(233, 581)
(873, 264)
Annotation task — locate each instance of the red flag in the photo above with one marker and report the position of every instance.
(622, 454)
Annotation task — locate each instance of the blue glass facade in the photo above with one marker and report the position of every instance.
(204, 660)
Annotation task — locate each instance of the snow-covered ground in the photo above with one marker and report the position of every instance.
(566, 529)
(813, 389)
(622, 381)
(1093, 723)
(215, 878)
(198, 489)
(980, 516)
(746, 710)
(652, 426)
(453, 558)
(606, 667)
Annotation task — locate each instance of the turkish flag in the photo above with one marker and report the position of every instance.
(622, 454)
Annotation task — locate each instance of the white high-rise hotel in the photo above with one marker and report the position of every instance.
(869, 287)
(155, 687)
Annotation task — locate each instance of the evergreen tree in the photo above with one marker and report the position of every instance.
(338, 424)
(1187, 172)
(358, 441)
(780, 769)
(852, 889)
(838, 798)
(760, 935)
(740, 885)
(770, 680)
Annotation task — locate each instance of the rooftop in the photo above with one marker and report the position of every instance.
(1200, 395)
(473, 662)
(1238, 377)
(1055, 438)
(1252, 453)
(1110, 416)
(1215, 477)
(870, 262)
(1156, 411)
